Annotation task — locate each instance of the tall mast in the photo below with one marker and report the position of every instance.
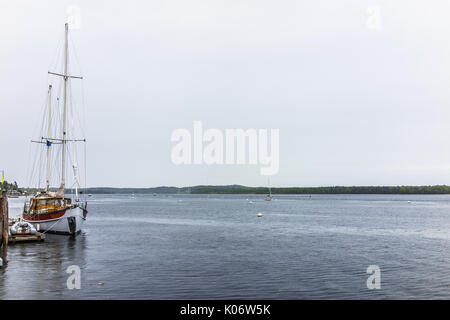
(64, 140)
(49, 135)
(74, 164)
(63, 153)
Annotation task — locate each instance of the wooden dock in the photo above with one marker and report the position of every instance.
(5, 238)
(26, 238)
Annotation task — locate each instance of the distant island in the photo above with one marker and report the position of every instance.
(238, 189)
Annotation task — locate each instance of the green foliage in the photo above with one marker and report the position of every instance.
(5, 186)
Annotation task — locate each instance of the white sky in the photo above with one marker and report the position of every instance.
(355, 106)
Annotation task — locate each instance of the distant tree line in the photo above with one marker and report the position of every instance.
(438, 189)
(238, 189)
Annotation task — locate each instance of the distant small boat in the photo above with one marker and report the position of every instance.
(269, 196)
(14, 194)
(259, 215)
(89, 195)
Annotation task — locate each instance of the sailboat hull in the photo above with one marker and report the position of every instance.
(69, 222)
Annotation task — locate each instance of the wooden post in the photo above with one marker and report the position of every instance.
(4, 226)
(1, 221)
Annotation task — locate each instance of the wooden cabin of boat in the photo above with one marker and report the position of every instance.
(46, 206)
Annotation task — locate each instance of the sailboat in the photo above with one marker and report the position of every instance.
(269, 196)
(53, 210)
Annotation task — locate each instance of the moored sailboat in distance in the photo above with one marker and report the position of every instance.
(49, 209)
(269, 196)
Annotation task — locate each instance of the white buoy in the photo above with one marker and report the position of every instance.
(260, 214)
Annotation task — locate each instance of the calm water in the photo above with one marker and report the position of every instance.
(199, 247)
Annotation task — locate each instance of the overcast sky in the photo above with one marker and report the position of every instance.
(357, 102)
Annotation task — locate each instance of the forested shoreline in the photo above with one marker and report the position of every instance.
(238, 189)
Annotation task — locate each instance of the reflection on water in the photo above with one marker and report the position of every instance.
(37, 270)
(189, 246)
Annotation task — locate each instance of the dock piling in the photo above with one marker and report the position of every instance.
(4, 227)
